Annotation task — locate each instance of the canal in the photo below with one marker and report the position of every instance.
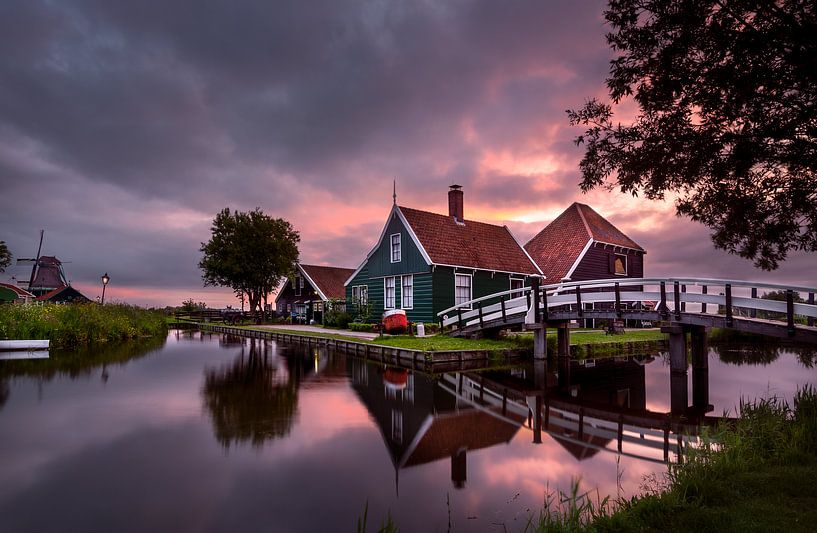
(206, 432)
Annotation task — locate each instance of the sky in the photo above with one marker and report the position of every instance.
(126, 126)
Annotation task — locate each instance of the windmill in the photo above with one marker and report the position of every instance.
(47, 273)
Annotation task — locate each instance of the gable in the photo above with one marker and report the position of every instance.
(412, 257)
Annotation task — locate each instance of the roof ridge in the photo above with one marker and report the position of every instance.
(584, 220)
(449, 216)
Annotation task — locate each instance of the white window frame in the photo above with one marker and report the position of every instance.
(386, 293)
(355, 294)
(470, 288)
(360, 294)
(624, 257)
(399, 249)
(403, 291)
(520, 289)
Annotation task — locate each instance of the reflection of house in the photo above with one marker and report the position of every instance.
(13, 294)
(422, 422)
(426, 262)
(582, 245)
(306, 294)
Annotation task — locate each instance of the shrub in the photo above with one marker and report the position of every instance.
(355, 326)
(337, 319)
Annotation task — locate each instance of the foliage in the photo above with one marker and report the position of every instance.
(357, 326)
(727, 118)
(79, 324)
(189, 306)
(5, 256)
(337, 319)
(250, 253)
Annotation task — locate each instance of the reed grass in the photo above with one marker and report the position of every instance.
(68, 326)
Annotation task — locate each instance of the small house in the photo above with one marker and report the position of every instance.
(13, 294)
(426, 262)
(580, 245)
(64, 295)
(306, 295)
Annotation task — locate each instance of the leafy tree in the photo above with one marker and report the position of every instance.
(5, 256)
(250, 253)
(727, 118)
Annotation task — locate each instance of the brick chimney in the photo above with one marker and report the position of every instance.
(455, 207)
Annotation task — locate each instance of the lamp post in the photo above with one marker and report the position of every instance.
(105, 280)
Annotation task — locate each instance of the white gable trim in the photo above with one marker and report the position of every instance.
(539, 270)
(412, 235)
(409, 230)
(312, 282)
(579, 259)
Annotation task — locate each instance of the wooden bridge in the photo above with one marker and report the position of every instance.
(682, 304)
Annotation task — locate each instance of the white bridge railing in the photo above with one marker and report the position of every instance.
(659, 296)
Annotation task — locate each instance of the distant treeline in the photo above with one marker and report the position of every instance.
(69, 326)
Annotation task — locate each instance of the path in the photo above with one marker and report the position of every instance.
(318, 329)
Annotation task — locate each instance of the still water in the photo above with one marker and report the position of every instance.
(217, 433)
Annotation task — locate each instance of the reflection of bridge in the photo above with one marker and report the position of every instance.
(584, 406)
(686, 304)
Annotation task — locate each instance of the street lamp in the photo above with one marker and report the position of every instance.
(105, 280)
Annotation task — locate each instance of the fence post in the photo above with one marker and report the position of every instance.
(676, 290)
(683, 304)
(753, 311)
(703, 304)
(662, 307)
(502, 304)
(534, 288)
(545, 305)
(618, 300)
(728, 291)
(810, 321)
(579, 301)
(790, 311)
(459, 317)
(479, 310)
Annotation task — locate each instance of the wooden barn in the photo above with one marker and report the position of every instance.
(305, 296)
(426, 262)
(582, 245)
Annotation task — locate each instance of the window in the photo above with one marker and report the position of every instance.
(389, 293)
(395, 248)
(517, 283)
(620, 265)
(462, 288)
(407, 294)
(316, 307)
(360, 294)
(298, 285)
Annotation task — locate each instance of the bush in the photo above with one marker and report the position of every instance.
(431, 328)
(337, 319)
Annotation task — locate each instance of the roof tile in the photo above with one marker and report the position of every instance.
(330, 280)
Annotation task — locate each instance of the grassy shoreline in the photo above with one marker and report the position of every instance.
(69, 326)
(754, 475)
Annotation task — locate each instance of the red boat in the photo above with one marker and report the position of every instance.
(395, 321)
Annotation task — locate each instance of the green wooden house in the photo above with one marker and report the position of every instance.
(426, 262)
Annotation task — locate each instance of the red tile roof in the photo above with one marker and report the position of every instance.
(329, 280)
(560, 243)
(21, 293)
(472, 244)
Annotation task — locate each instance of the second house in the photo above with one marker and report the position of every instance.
(426, 262)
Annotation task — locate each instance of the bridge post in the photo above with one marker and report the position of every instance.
(683, 304)
(537, 421)
(540, 345)
(662, 307)
(563, 340)
(679, 391)
(677, 297)
(703, 305)
(790, 311)
(728, 291)
(700, 368)
(810, 321)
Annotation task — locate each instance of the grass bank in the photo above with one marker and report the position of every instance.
(69, 326)
(589, 343)
(756, 474)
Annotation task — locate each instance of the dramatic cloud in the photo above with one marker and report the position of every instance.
(124, 128)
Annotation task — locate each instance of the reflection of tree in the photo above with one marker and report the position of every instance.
(252, 399)
(4, 392)
(760, 353)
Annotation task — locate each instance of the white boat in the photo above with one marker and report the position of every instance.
(29, 345)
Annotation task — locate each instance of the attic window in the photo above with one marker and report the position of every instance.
(620, 265)
(396, 252)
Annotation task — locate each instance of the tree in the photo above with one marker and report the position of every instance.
(727, 118)
(5, 256)
(250, 253)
